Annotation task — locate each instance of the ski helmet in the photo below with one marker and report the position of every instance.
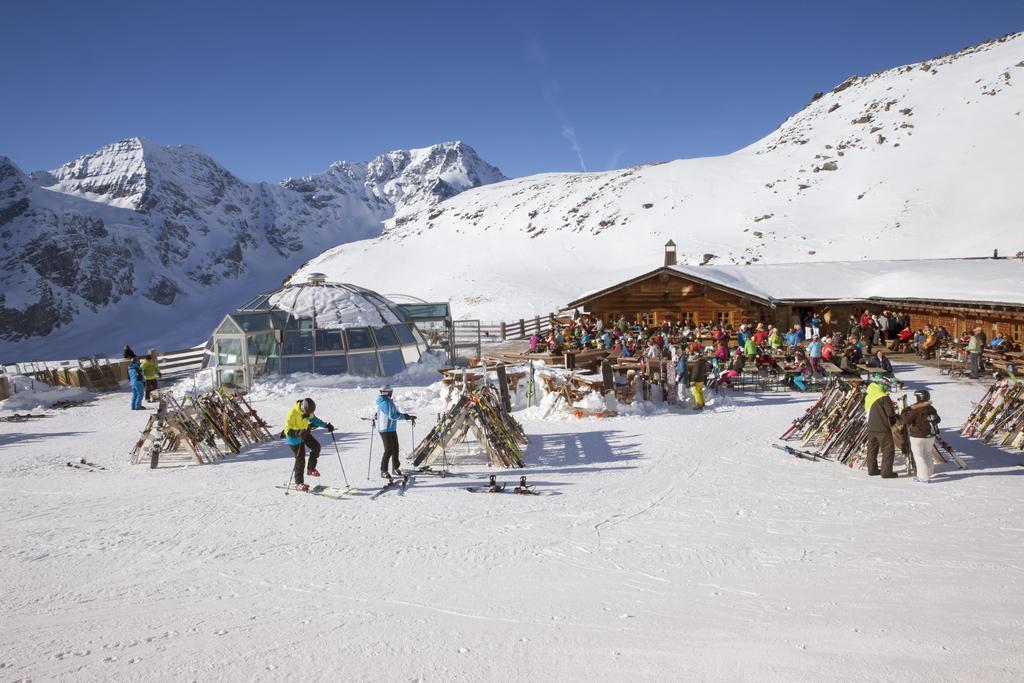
(307, 406)
(922, 395)
(386, 390)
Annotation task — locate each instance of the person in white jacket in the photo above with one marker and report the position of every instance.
(922, 421)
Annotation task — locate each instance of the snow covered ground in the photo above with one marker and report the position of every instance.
(672, 546)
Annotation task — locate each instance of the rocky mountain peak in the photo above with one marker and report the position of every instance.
(152, 226)
(115, 174)
(13, 180)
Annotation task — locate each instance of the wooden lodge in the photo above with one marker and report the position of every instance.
(956, 293)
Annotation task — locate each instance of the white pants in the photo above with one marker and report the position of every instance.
(922, 450)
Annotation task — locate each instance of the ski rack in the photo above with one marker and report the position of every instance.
(834, 428)
(204, 427)
(998, 419)
(479, 412)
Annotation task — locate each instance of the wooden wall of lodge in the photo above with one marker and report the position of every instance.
(655, 301)
(961, 321)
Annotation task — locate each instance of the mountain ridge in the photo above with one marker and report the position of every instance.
(176, 225)
(919, 160)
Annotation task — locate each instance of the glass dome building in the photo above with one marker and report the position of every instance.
(324, 327)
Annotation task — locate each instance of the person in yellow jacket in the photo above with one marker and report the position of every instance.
(880, 418)
(150, 372)
(297, 432)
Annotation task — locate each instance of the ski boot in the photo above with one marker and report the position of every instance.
(384, 475)
(313, 473)
(302, 487)
(397, 472)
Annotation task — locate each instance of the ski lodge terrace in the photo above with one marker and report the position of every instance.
(958, 294)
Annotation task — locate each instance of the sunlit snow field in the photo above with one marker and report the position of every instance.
(671, 546)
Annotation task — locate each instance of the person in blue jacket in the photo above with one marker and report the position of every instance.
(135, 378)
(388, 416)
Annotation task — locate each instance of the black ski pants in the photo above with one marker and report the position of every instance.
(300, 456)
(390, 440)
(150, 387)
(880, 441)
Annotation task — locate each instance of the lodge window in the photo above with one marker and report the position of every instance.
(688, 318)
(1015, 331)
(723, 318)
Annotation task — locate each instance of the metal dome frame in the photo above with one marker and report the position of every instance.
(357, 332)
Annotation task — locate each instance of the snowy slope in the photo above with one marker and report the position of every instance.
(154, 244)
(917, 161)
(673, 547)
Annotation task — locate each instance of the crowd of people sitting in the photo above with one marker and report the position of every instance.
(802, 353)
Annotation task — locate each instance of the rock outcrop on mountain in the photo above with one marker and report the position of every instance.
(141, 239)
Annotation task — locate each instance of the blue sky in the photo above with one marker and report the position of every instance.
(278, 89)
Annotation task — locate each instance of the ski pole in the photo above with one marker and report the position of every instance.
(290, 477)
(369, 459)
(343, 475)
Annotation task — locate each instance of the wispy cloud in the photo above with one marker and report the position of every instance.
(538, 56)
(569, 133)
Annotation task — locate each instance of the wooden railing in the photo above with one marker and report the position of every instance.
(523, 328)
(172, 363)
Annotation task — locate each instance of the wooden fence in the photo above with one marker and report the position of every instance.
(99, 373)
(518, 329)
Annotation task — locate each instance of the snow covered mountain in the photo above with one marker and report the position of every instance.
(154, 244)
(918, 161)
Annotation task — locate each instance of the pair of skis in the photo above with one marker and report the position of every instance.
(494, 487)
(335, 492)
(796, 452)
(399, 484)
(85, 465)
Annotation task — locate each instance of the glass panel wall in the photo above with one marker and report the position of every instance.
(298, 337)
(359, 338)
(329, 340)
(391, 361)
(229, 351)
(297, 364)
(332, 365)
(404, 335)
(363, 364)
(385, 336)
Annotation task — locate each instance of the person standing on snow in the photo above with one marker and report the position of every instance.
(388, 416)
(922, 422)
(697, 377)
(135, 378)
(814, 350)
(974, 348)
(298, 434)
(682, 377)
(150, 371)
(881, 418)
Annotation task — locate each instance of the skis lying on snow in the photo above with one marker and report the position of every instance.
(494, 487)
(335, 492)
(393, 484)
(806, 455)
(427, 469)
(83, 464)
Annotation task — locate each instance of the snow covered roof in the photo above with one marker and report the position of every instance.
(333, 304)
(989, 281)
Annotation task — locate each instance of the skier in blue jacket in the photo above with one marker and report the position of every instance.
(138, 385)
(388, 416)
